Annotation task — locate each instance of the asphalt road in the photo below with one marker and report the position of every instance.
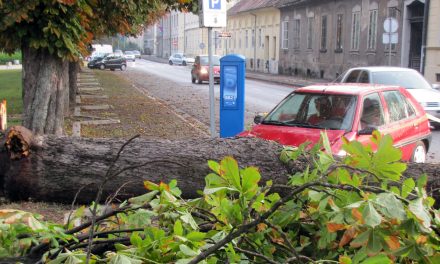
(261, 96)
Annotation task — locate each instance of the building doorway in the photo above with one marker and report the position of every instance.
(415, 17)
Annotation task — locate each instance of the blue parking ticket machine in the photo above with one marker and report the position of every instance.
(232, 75)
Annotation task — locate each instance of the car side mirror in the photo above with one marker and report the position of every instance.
(259, 118)
(366, 131)
(436, 86)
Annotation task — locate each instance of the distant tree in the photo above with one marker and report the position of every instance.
(52, 33)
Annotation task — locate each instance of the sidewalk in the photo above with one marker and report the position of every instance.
(274, 78)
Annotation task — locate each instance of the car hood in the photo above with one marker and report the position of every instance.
(425, 95)
(190, 60)
(293, 136)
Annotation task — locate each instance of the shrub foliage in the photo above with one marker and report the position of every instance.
(357, 209)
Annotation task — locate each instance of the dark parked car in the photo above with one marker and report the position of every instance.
(110, 61)
(350, 111)
(200, 69)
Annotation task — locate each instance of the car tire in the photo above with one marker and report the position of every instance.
(102, 67)
(419, 153)
(123, 67)
(170, 62)
(184, 63)
(193, 80)
(199, 81)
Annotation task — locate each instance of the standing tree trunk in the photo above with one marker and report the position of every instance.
(73, 87)
(44, 91)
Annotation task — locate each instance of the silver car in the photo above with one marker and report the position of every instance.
(180, 59)
(410, 79)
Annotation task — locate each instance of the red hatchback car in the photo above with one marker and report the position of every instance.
(353, 111)
(200, 69)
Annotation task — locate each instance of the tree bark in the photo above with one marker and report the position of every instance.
(58, 167)
(73, 87)
(44, 91)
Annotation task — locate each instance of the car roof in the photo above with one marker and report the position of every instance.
(383, 69)
(345, 88)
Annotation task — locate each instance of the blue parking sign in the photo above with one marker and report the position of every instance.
(214, 4)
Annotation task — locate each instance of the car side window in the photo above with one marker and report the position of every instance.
(398, 107)
(177, 56)
(352, 77)
(372, 112)
(363, 77)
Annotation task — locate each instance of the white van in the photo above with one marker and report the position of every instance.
(100, 50)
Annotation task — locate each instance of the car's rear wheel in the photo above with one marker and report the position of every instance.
(102, 67)
(123, 67)
(184, 63)
(419, 153)
(170, 62)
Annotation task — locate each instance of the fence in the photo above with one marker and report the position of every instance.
(3, 121)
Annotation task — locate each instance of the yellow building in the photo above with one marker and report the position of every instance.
(254, 26)
(432, 64)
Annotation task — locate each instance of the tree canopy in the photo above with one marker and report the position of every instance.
(66, 27)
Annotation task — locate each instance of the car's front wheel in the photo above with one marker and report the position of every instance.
(102, 67)
(419, 153)
(170, 62)
(184, 63)
(123, 67)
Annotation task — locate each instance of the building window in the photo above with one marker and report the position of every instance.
(296, 33)
(310, 32)
(285, 35)
(259, 37)
(323, 32)
(246, 39)
(372, 30)
(253, 38)
(239, 40)
(339, 21)
(355, 29)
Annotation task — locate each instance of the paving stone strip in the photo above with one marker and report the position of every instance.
(87, 85)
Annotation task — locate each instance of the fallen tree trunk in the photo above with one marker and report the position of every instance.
(58, 167)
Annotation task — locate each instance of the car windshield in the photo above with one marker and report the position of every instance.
(215, 60)
(321, 111)
(128, 53)
(406, 79)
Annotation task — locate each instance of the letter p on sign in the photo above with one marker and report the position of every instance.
(214, 4)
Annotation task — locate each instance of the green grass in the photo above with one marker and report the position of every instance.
(11, 89)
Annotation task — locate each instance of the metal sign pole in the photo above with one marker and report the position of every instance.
(211, 86)
(389, 51)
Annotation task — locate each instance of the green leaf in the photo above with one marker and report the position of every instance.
(231, 171)
(418, 209)
(136, 240)
(390, 206)
(422, 181)
(187, 218)
(196, 236)
(187, 251)
(250, 178)
(407, 187)
(178, 228)
(378, 259)
(214, 166)
(374, 244)
(209, 191)
(371, 216)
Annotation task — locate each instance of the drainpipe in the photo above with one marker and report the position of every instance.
(254, 41)
(424, 37)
